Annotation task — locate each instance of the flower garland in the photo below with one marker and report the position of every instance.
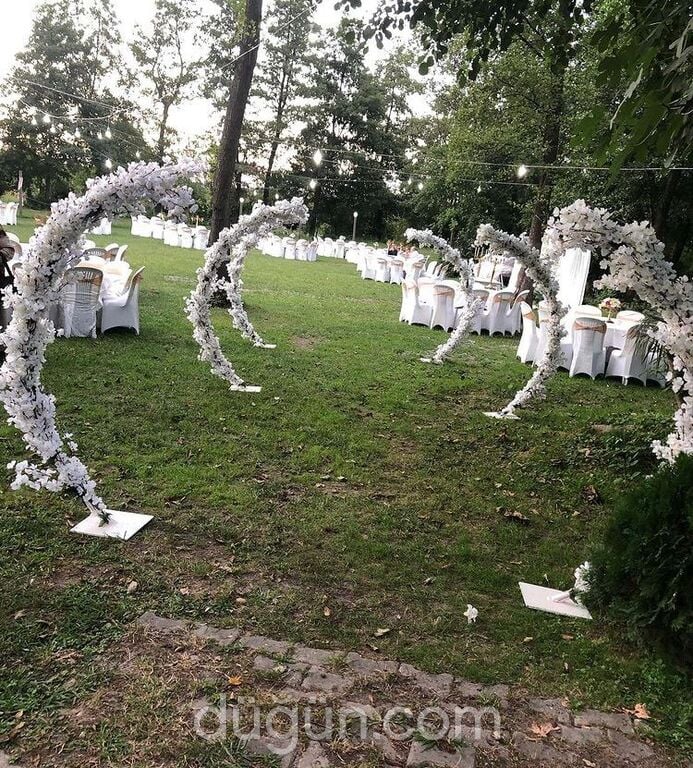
(471, 304)
(633, 259)
(37, 284)
(233, 246)
(540, 268)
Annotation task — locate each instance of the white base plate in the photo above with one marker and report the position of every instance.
(122, 525)
(245, 388)
(266, 346)
(499, 415)
(539, 598)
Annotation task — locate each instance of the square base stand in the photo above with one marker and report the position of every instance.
(122, 525)
(499, 415)
(266, 346)
(539, 598)
(244, 388)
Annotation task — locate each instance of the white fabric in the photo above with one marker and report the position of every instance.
(572, 271)
(80, 301)
(588, 347)
(412, 311)
(443, 309)
(527, 347)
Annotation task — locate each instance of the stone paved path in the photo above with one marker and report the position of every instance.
(537, 732)
(168, 683)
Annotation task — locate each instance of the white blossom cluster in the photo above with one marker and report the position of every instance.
(633, 258)
(541, 268)
(454, 257)
(232, 247)
(38, 283)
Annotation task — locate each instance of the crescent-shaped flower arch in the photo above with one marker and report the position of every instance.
(232, 247)
(541, 270)
(633, 259)
(38, 283)
(454, 257)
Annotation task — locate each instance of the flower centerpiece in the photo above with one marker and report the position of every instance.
(609, 307)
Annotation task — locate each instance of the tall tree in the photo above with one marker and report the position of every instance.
(162, 60)
(63, 73)
(224, 191)
(283, 69)
(346, 120)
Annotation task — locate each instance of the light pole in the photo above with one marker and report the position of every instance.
(353, 231)
(240, 206)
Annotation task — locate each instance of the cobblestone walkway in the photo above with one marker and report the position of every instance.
(528, 731)
(175, 694)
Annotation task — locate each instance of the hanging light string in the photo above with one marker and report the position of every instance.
(80, 98)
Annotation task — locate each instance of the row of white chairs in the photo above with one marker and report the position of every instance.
(434, 302)
(8, 214)
(289, 248)
(583, 350)
(178, 235)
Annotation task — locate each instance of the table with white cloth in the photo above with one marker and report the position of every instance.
(113, 281)
(616, 333)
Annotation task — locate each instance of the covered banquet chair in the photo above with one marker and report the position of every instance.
(412, 311)
(124, 311)
(588, 354)
(528, 341)
(80, 301)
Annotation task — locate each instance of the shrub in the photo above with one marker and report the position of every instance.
(642, 573)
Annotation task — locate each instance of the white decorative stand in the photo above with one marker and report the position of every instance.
(552, 601)
(121, 525)
(499, 415)
(245, 388)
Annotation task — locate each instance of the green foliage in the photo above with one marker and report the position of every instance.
(643, 572)
(66, 70)
(651, 52)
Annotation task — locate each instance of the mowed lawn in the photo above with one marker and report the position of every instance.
(359, 480)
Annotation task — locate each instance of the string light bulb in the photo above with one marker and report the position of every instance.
(420, 186)
(522, 171)
(78, 133)
(108, 133)
(109, 164)
(46, 118)
(478, 189)
(313, 184)
(53, 130)
(99, 136)
(317, 157)
(34, 121)
(138, 154)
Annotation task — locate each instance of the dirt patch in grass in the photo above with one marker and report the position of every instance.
(305, 342)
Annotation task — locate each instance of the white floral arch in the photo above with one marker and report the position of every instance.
(633, 259)
(38, 282)
(540, 268)
(233, 246)
(454, 257)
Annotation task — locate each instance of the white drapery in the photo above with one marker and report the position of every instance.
(572, 272)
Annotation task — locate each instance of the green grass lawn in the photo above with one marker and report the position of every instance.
(358, 480)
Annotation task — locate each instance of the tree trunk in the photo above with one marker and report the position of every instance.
(161, 143)
(278, 126)
(224, 195)
(542, 202)
(661, 213)
(552, 148)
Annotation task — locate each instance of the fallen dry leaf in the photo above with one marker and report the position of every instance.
(326, 612)
(542, 729)
(381, 631)
(639, 711)
(235, 680)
